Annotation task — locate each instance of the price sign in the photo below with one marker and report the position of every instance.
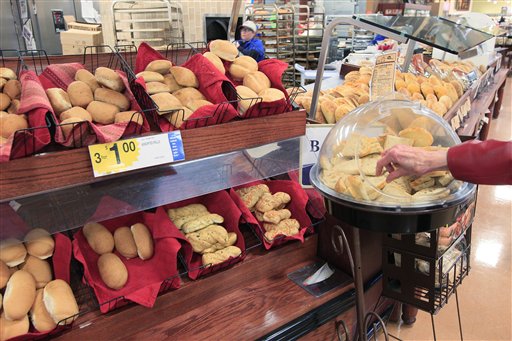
(383, 78)
(136, 153)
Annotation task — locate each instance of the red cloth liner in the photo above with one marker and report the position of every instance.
(36, 105)
(220, 203)
(59, 75)
(297, 207)
(316, 200)
(145, 55)
(145, 277)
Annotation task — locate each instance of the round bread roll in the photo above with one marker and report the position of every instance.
(447, 101)
(417, 96)
(3, 114)
(5, 101)
(60, 302)
(13, 89)
(19, 295)
(10, 329)
(171, 83)
(127, 116)
(166, 102)
(69, 124)
(271, 95)
(257, 81)
(103, 113)
(184, 77)
(224, 49)
(143, 240)
(439, 108)
(112, 97)
(14, 107)
(39, 243)
(124, 242)
(77, 112)
(9, 124)
(40, 317)
(112, 270)
(59, 100)
(352, 76)
(99, 238)
(88, 78)
(245, 92)
(177, 118)
(4, 274)
(413, 87)
(212, 57)
(7, 73)
(3, 81)
(39, 269)
(186, 95)
(162, 66)
(109, 78)
(12, 252)
(197, 103)
(156, 87)
(241, 66)
(80, 94)
(150, 76)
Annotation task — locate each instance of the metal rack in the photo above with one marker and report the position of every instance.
(308, 32)
(156, 22)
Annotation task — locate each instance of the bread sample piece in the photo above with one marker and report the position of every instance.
(184, 77)
(368, 146)
(446, 179)
(109, 78)
(88, 78)
(80, 94)
(222, 255)
(166, 102)
(209, 239)
(171, 83)
(60, 302)
(251, 195)
(13, 89)
(103, 113)
(421, 137)
(391, 141)
(10, 329)
(192, 209)
(39, 243)
(271, 95)
(112, 270)
(156, 87)
(112, 97)
(40, 317)
(10, 124)
(329, 110)
(274, 201)
(431, 193)
(19, 295)
(59, 100)
(368, 165)
(127, 116)
(422, 183)
(275, 216)
(124, 242)
(245, 92)
(186, 95)
(257, 81)
(12, 252)
(287, 227)
(7, 73)
(202, 222)
(212, 57)
(162, 66)
(143, 241)
(241, 66)
(224, 49)
(69, 124)
(150, 76)
(99, 238)
(39, 269)
(76, 112)
(5, 101)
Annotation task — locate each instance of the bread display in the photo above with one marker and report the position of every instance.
(39, 316)
(19, 295)
(10, 329)
(39, 269)
(99, 238)
(143, 241)
(60, 302)
(224, 49)
(124, 242)
(39, 243)
(112, 271)
(109, 79)
(12, 252)
(80, 94)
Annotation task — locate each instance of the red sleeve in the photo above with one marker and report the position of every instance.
(482, 162)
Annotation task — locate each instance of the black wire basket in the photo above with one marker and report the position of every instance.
(178, 53)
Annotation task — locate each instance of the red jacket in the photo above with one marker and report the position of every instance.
(482, 162)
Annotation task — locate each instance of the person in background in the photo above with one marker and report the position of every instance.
(249, 45)
(479, 162)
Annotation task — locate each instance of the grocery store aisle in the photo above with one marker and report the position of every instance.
(485, 295)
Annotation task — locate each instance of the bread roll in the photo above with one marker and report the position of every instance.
(212, 57)
(184, 77)
(166, 102)
(3, 81)
(5, 101)
(109, 78)
(186, 95)
(103, 113)
(9, 124)
(143, 240)
(40, 317)
(112, 271)
(224, 49)
(12, 252)
(69, 124)
(19, 295)
(39, 243)
(161, 66)
(80, 94)
(4, 274)
(127, 116)
(88, 78)
(156, 87)
(39, 269)
(124, 242)
(245, 92)
(10, 329)
(197, 103)
(271, 95)
(3, 114)
(171, 83)
(99, 238)
(177, 118)
(7, 73)
(112, 97)
(150, 76)
(257, 81)
(241, 66)
(60, 302)
(13, 89)
(76, 112)
(59, 100)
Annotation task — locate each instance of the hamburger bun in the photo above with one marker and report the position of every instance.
(10, 329)
(184, 77)
(143, 241)
(5, 101)
(162, 66)
(19, 295)
(10, 123)
(212, 57)
(245, 92)
(112, 270)
(88, 78)
(150, 76)
(124, 242)
(39, 269)
(103, 113)
(99, 238)
(12, 252)
(166, 102)
(241, 66)
(224, 49)
(186, 95)
(171, 83)
(60, 302)
(257, 81)
(109, 79)
(7, 73)
(112, 97)
(69, 124)
(127, 116)
(59, 100)
(156, 87)
(39, 243)
(80, 94)
(40, 317)
(4, 274)
(13, 89)
(271, 95)
(77, 112)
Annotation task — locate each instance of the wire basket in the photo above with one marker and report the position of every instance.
(179, 53)
(6, 55)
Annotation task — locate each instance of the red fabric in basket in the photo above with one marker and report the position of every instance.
(220, 203)
(145, 55)
(297, 207)
(144, 276)
(315, 198)
(35, 104)
(59, 75)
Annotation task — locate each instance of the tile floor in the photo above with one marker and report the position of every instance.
(485, 295)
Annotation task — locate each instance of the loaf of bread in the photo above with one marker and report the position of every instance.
(224, 49)
(7, 73)
(13, 89)
(210, 239)
(101, 112)
(112, 270)
(59, 100)
(4, 274)
(109, 78)
(80, 94)
(39, 243)
(40, 317)
(269, 202)
(112, 97)
(127, 116)
(251, 195)
(162, 66)
(212, 57)
(39, 269)
(76, 112)
(19, 295)
(10, 329)
(192, 209)
(275, 216)
(12, 252)
(166, 102)
(88, 78)
(257, 81)
(220, 256)
(9, 124)
(271, 95)
(124, 242)
(143, 241)
(99, 238)
(60, 302)
(287, 227)
(202, 222)
(184, 77)
(151, 76)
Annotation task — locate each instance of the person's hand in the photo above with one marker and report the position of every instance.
(402, 160)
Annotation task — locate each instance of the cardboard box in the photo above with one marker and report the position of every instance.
(73, 25)
(83, 38)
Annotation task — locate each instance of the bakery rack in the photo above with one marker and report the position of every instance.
(178, 53)
(308, 32)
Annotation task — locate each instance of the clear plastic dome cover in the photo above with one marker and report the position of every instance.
(346, 168)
